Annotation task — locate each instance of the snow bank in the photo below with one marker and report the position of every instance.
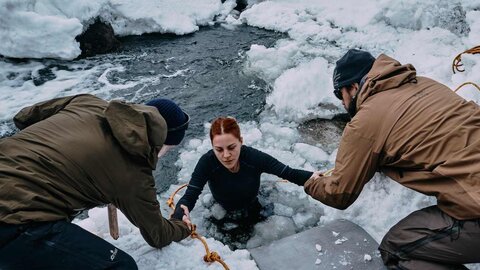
(47, 29)
(187, 254)
(428, 34)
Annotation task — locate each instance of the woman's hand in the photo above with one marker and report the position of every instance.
(186, 217)
(316, 175)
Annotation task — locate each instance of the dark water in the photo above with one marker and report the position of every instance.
(212, 83)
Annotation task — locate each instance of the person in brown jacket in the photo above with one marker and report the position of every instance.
(75, 153)
(422, 135)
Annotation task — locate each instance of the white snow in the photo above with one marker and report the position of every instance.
(187, 254)
(428, 34)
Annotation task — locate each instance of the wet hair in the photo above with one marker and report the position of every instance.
(225, 125)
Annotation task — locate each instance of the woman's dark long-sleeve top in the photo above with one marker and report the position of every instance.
(235, 190)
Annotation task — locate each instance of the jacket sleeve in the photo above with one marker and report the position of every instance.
(355, 165)
(271, 165)
(141, 207)
(194, 189)
(40, 111)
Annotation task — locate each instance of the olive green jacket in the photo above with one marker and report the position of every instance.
(415, 130)
(79, 152)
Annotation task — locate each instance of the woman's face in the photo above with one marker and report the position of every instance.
(227, 150)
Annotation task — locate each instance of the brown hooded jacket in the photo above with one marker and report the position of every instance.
(79, 152)
(415, 130)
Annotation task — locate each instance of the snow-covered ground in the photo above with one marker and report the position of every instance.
(426, 33)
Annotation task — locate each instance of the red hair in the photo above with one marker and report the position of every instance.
(225, 125)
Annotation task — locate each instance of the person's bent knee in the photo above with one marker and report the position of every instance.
(387, 250)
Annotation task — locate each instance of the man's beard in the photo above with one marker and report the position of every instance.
(352, 108)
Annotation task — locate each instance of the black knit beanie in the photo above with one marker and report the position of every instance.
(351, 68)
(177, 120)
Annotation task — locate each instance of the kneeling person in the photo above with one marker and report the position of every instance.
(75, 153)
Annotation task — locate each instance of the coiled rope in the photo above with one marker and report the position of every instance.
(210, 256)
(457, 65)
(467, 83)
(457, 61)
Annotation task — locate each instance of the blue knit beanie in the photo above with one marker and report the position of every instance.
(177, 120)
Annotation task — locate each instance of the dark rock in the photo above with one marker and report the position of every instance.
(241, 5)
(44, 75)
(97, 39)
(322, 131)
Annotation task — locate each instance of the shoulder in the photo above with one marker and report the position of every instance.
(252, 155)
(248, 152)
(364, 125)
(207, 160)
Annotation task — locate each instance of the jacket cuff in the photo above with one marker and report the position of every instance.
(301, 177)
(184, 228)
(306, 185)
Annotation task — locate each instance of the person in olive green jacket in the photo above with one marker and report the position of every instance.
(422, 135)
(75, 153)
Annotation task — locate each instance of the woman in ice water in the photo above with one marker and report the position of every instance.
(233, 171)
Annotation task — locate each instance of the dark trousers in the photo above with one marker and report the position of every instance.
(430, 239)
(57, 245)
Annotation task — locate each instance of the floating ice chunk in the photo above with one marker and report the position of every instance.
(207, 200)
(318, 247)
(318, 261)
(194, 143)
(367, 258)
(218, 212)
(340, 241)
(304, 219)
(252, 135)
(310, 152)
(275, 227)
(282, 210)
(230, 226)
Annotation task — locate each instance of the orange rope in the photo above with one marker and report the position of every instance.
(457, 61)
(209, 256)
(466, 83)
(170, 201)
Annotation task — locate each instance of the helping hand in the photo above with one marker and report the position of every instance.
(316, 175)
(186, 217)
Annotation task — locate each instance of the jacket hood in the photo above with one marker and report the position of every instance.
(139, 129)
(385, 74)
